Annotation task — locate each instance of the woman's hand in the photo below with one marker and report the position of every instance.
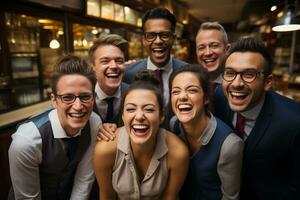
(107, 132)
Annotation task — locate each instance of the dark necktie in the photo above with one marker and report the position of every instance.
(240, 125)
(158, 75)
(71, 147)
(110, 109)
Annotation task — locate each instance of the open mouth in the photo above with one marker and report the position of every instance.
(112, 75)
(159, 51)
(185, 107)
(238, 96)
(209, 60)
(140, 129)
(77, 115)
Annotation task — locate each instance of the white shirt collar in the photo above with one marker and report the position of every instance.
(101, 95)
(58, 131)
(153, 67)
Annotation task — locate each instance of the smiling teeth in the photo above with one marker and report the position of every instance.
(237, 94)
(113, 75)
(77, 114)
(139, 126)
(184, 106)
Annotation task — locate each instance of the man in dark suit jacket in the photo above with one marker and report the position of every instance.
(158, 38)
(107, 57)
(271, 123)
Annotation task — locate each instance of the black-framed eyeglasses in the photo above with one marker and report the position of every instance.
(164, 36)
(247, 76)
(71, 98)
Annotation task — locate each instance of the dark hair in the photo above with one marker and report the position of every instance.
(72, 65)
(254, 45)
(159, 13)
(145, 79)
(202, 75)
(110, 39)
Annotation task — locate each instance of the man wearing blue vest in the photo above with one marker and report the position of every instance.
(50, 156)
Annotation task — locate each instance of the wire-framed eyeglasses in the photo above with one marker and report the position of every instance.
(71, 98)
(247, 76)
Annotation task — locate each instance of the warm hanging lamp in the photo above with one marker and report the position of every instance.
(288, 21)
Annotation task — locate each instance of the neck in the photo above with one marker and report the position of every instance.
(108, 91)
(143, 150)
(195, 128)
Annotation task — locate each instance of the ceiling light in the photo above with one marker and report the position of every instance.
(54, 44)
(273, 8)
(288, 21)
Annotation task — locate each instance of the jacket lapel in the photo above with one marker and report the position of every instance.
(261, 125)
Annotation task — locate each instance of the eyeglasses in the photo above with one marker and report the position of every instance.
(164, 36)
(247, 76)
(71, 98)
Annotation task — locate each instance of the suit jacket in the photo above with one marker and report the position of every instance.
(117, 119)
(133, 68)
(271, 165)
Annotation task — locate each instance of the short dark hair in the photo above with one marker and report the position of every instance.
(255, 45)
(110, 39)
(159, 13)
(71, 64)
(203, 77)
(145, 79)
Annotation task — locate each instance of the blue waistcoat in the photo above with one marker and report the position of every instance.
(56, 170)
(202, 181)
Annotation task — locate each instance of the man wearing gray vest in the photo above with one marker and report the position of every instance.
(50, 155)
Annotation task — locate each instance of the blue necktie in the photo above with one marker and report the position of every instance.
(110, 109)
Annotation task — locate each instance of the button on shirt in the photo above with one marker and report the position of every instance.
(101, 104)
(27, 147)
(167, 71)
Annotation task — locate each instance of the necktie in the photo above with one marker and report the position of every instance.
(240, 125)
(158, 75)
(71, 147)
(110, 109)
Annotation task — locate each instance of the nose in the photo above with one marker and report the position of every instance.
(157, 39)
(77, 103)
(112, 64)
(238, 81)
(183, 96)
(139, 115)
(207, 50)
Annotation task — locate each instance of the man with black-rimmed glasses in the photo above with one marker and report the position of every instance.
(158, 37)
(268, 122)
(50, 156)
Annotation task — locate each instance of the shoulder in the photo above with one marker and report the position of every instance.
(26, 141)
(139, 63)
(95, 120)
(178, 63)
(177, 150)
(107, 149)
(232, 146)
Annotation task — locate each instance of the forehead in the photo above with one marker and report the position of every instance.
(186, 79)
(245, 60)
(157, 25)
(108, 50)
(208, 36)
(73, 83)
(141, 97)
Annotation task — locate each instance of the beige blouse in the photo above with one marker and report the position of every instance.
(125, 179)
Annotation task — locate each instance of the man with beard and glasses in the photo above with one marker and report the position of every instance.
(158, 38)
(107, 57)
(50, 156)
(268, 122)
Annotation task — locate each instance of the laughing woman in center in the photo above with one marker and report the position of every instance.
(144, 161)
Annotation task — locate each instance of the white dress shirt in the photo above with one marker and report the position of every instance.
(25, 156)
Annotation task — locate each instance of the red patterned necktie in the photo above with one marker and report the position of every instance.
(240, 125)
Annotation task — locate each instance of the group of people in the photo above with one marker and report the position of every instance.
(167, 129)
